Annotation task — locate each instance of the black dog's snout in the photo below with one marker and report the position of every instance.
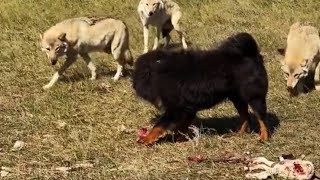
(150, 13)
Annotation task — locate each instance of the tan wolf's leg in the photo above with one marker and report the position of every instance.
(90, 65)
(70, 60)
(118, 73)
(175, 22)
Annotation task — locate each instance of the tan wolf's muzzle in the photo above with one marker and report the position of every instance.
(292, 91)
(53, 61)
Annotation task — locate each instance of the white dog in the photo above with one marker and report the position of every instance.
(83, 35)
(165, 16)
(286, 168)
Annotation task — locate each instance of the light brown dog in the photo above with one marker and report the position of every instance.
(301, 56)
(84, 35)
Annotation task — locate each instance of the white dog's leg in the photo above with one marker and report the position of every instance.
(259, 166)
(260, 175)
(118, 73)
(156, 39)
(262, 160)
(145, 38)
(175, 22)
(90, 65)
(66, 64)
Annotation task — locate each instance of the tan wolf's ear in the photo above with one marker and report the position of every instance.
(282, 51)
(62, 37)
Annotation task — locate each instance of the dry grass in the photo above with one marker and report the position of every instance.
(101, 125)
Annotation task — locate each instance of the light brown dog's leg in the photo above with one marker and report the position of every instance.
(175, 22)
(70, 60)
(90, 65)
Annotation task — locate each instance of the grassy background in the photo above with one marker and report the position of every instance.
(101, 123)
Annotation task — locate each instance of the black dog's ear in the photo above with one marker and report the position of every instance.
(282, 51)
(62, 37)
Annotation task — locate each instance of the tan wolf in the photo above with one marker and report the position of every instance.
(301, 57)
(165, 16)
(84, 35)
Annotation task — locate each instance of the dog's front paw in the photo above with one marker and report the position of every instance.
(93, 78)
(146, 141)
(145, 51)
(48, 86)
(155, 47)
(115, 79)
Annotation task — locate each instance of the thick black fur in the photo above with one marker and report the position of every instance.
(187, 81)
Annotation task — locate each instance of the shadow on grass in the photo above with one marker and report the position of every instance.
(174, 46)
(224, 125)
(101, 72)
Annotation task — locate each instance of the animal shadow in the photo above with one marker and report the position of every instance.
(102, 71)
(224, 125)
(174, 46)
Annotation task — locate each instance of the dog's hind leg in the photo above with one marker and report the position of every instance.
(166, 29)
(118, 55)
(70, 60)
(156, 39)
(263, 160)
(175, 22)
(259, 108)
(242, 108)
(118, 73)
(90, 65)
(259, 175)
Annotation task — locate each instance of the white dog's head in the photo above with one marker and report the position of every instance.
(150, 7)
(54, 44)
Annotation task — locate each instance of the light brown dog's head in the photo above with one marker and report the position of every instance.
(302, 48)
(54, 44)
(150, 7)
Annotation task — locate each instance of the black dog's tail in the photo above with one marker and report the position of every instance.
(242, 42)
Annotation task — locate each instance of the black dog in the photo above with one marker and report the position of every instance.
(180, 83)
